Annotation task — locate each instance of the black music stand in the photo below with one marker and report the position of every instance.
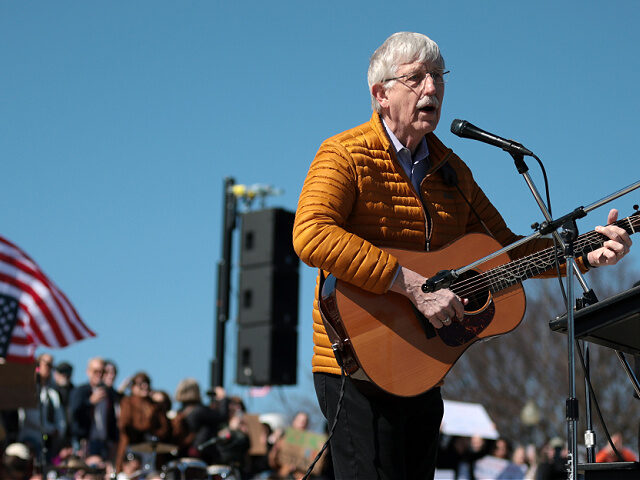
(613, 323)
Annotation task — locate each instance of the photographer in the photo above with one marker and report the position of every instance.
(93, 418)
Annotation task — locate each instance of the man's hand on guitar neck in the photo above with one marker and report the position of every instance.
(613, 249)
(440, 307)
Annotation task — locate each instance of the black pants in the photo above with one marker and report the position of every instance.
(379, 435)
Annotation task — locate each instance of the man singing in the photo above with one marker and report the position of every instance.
(390, 182)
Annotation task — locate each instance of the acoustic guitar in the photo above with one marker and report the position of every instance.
(386, 340)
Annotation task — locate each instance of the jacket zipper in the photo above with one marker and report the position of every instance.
(428, 222)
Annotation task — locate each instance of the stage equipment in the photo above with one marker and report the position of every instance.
(267, 300)
(565, 240)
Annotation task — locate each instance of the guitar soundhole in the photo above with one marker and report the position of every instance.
(478, 312)
(466, 287)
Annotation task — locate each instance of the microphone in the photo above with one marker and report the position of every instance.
(211, 441)
(464, 129)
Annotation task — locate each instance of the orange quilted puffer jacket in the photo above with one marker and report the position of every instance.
(357, 198)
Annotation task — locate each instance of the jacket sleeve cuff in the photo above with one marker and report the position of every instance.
(585, 262)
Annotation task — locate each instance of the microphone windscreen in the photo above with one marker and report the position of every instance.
(457, 126)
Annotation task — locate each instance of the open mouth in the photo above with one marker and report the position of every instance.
(428, 108)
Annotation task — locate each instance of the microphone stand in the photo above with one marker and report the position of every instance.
(566, 241)
(43, 434)
(445, 278)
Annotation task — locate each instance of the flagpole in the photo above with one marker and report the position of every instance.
(224, 280)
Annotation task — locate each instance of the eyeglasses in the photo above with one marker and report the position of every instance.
(415, 79)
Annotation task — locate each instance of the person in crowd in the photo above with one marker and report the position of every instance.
(93, 415)
(110, 373)
(17, 462)
(608, 455)
(502, 449)
(162, 399)
(141, 419)
(259, 463)
(195, 423)
(277, 462)
(44, 425)
(391, 182)
(300, 421)
(234, 443)
(63, 455)
(234, 406)
(531, 455)
(62, 382)
(109, 379)
(519, 458)
(460, 454)
(553, 461)
(131, 467)
(97, 466)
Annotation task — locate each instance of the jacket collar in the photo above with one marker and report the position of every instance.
(438, 152)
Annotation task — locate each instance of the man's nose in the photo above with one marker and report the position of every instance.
(429, 85)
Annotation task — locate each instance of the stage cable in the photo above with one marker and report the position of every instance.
(595, 401)
(555, 242)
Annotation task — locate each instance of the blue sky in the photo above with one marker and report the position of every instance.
(119, 121)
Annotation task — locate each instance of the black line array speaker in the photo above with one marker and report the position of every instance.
(267, 355)
(267, 300)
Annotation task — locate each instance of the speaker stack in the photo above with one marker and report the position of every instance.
(267, 300)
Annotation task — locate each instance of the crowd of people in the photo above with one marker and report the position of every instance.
(99, 431)
(475, 458)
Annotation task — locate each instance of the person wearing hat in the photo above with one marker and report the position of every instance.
(196, 423)
(62, 382)
(17, 462)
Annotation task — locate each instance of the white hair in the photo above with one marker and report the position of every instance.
(398, 49)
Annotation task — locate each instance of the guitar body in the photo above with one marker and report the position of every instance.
(385, 339)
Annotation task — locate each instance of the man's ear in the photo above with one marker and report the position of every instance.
(380, 94)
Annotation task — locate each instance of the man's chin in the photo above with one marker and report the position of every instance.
(428, 124)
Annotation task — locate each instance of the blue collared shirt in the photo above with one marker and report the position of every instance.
(408, 161)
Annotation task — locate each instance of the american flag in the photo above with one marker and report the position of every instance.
(33, 311)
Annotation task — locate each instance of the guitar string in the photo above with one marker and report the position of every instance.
(484, 280)
(496, 275)
(588, 240)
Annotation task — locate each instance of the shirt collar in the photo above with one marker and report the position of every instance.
(422, 151)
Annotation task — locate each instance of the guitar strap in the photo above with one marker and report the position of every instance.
(336, 342)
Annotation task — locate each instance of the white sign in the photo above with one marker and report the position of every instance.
(467, 420)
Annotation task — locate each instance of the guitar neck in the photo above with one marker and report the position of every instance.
(519, 270)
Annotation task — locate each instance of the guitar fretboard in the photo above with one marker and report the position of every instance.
(519, 270)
